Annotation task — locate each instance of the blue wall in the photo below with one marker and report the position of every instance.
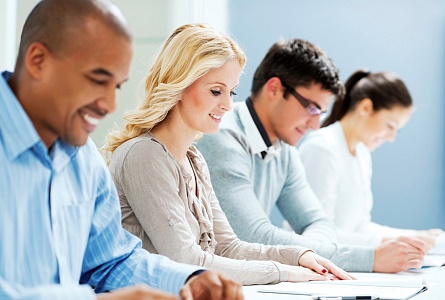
(406, 37)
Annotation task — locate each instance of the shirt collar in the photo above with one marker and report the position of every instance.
(255, 133)
(18, 134)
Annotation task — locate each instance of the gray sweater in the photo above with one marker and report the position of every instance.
(248, 187)
(159, 206)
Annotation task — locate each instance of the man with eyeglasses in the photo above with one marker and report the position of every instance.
(254, 164)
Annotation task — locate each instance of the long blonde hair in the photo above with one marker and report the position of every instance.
(190, 52)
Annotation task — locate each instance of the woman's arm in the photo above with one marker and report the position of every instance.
(229, 245)
(149, 178)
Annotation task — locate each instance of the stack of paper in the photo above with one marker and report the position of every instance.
(436, 256)
(384, 288)
(433, 260)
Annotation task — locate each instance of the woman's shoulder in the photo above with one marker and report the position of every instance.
(327, 139)
(363, 153)
(139, 149)
(145, 143)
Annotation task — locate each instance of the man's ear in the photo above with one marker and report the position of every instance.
(273, 88)
(36, 59)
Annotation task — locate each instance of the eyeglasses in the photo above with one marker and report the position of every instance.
(311, 107)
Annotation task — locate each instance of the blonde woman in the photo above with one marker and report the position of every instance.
(163, 182)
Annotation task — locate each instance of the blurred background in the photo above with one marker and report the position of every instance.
(406, 37)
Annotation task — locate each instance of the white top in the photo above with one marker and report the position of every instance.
(342, 183)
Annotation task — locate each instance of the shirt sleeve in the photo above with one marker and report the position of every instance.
(149, 179)
(43, 292)
(229, 245)
(301, 207)
(371, 234)
(383, 231)
(114, 257)
(318, 161)
(323, 171)
(318, 158)
(230, 165)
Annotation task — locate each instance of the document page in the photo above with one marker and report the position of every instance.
(414, 282)
(383, 292)
(434, 260)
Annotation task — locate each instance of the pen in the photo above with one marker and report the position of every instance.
(321, 297)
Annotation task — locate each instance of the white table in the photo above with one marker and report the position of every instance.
(435, 278)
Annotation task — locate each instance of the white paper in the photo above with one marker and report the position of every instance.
(416, 282)
(433, 260)
(324, 288)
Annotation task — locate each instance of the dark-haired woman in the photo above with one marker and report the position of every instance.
(338, 161)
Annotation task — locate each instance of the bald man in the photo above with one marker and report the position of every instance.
(60, 222)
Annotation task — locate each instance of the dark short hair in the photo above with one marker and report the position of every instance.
(298, 63)
(56, 23)
(385, 89)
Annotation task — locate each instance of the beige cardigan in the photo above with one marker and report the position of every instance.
(158, 206)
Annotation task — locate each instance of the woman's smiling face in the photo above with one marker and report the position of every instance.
(204, 102)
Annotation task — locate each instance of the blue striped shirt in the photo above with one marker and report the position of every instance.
(60, 221)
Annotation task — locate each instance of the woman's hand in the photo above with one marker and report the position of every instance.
(322, 265)
(301, 274)
(424, 240)
(429, 237)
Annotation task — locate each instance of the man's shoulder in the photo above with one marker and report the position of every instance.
(224, 142)
(89, 173)
(231, 133)
(89, 155)
(232, 120)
